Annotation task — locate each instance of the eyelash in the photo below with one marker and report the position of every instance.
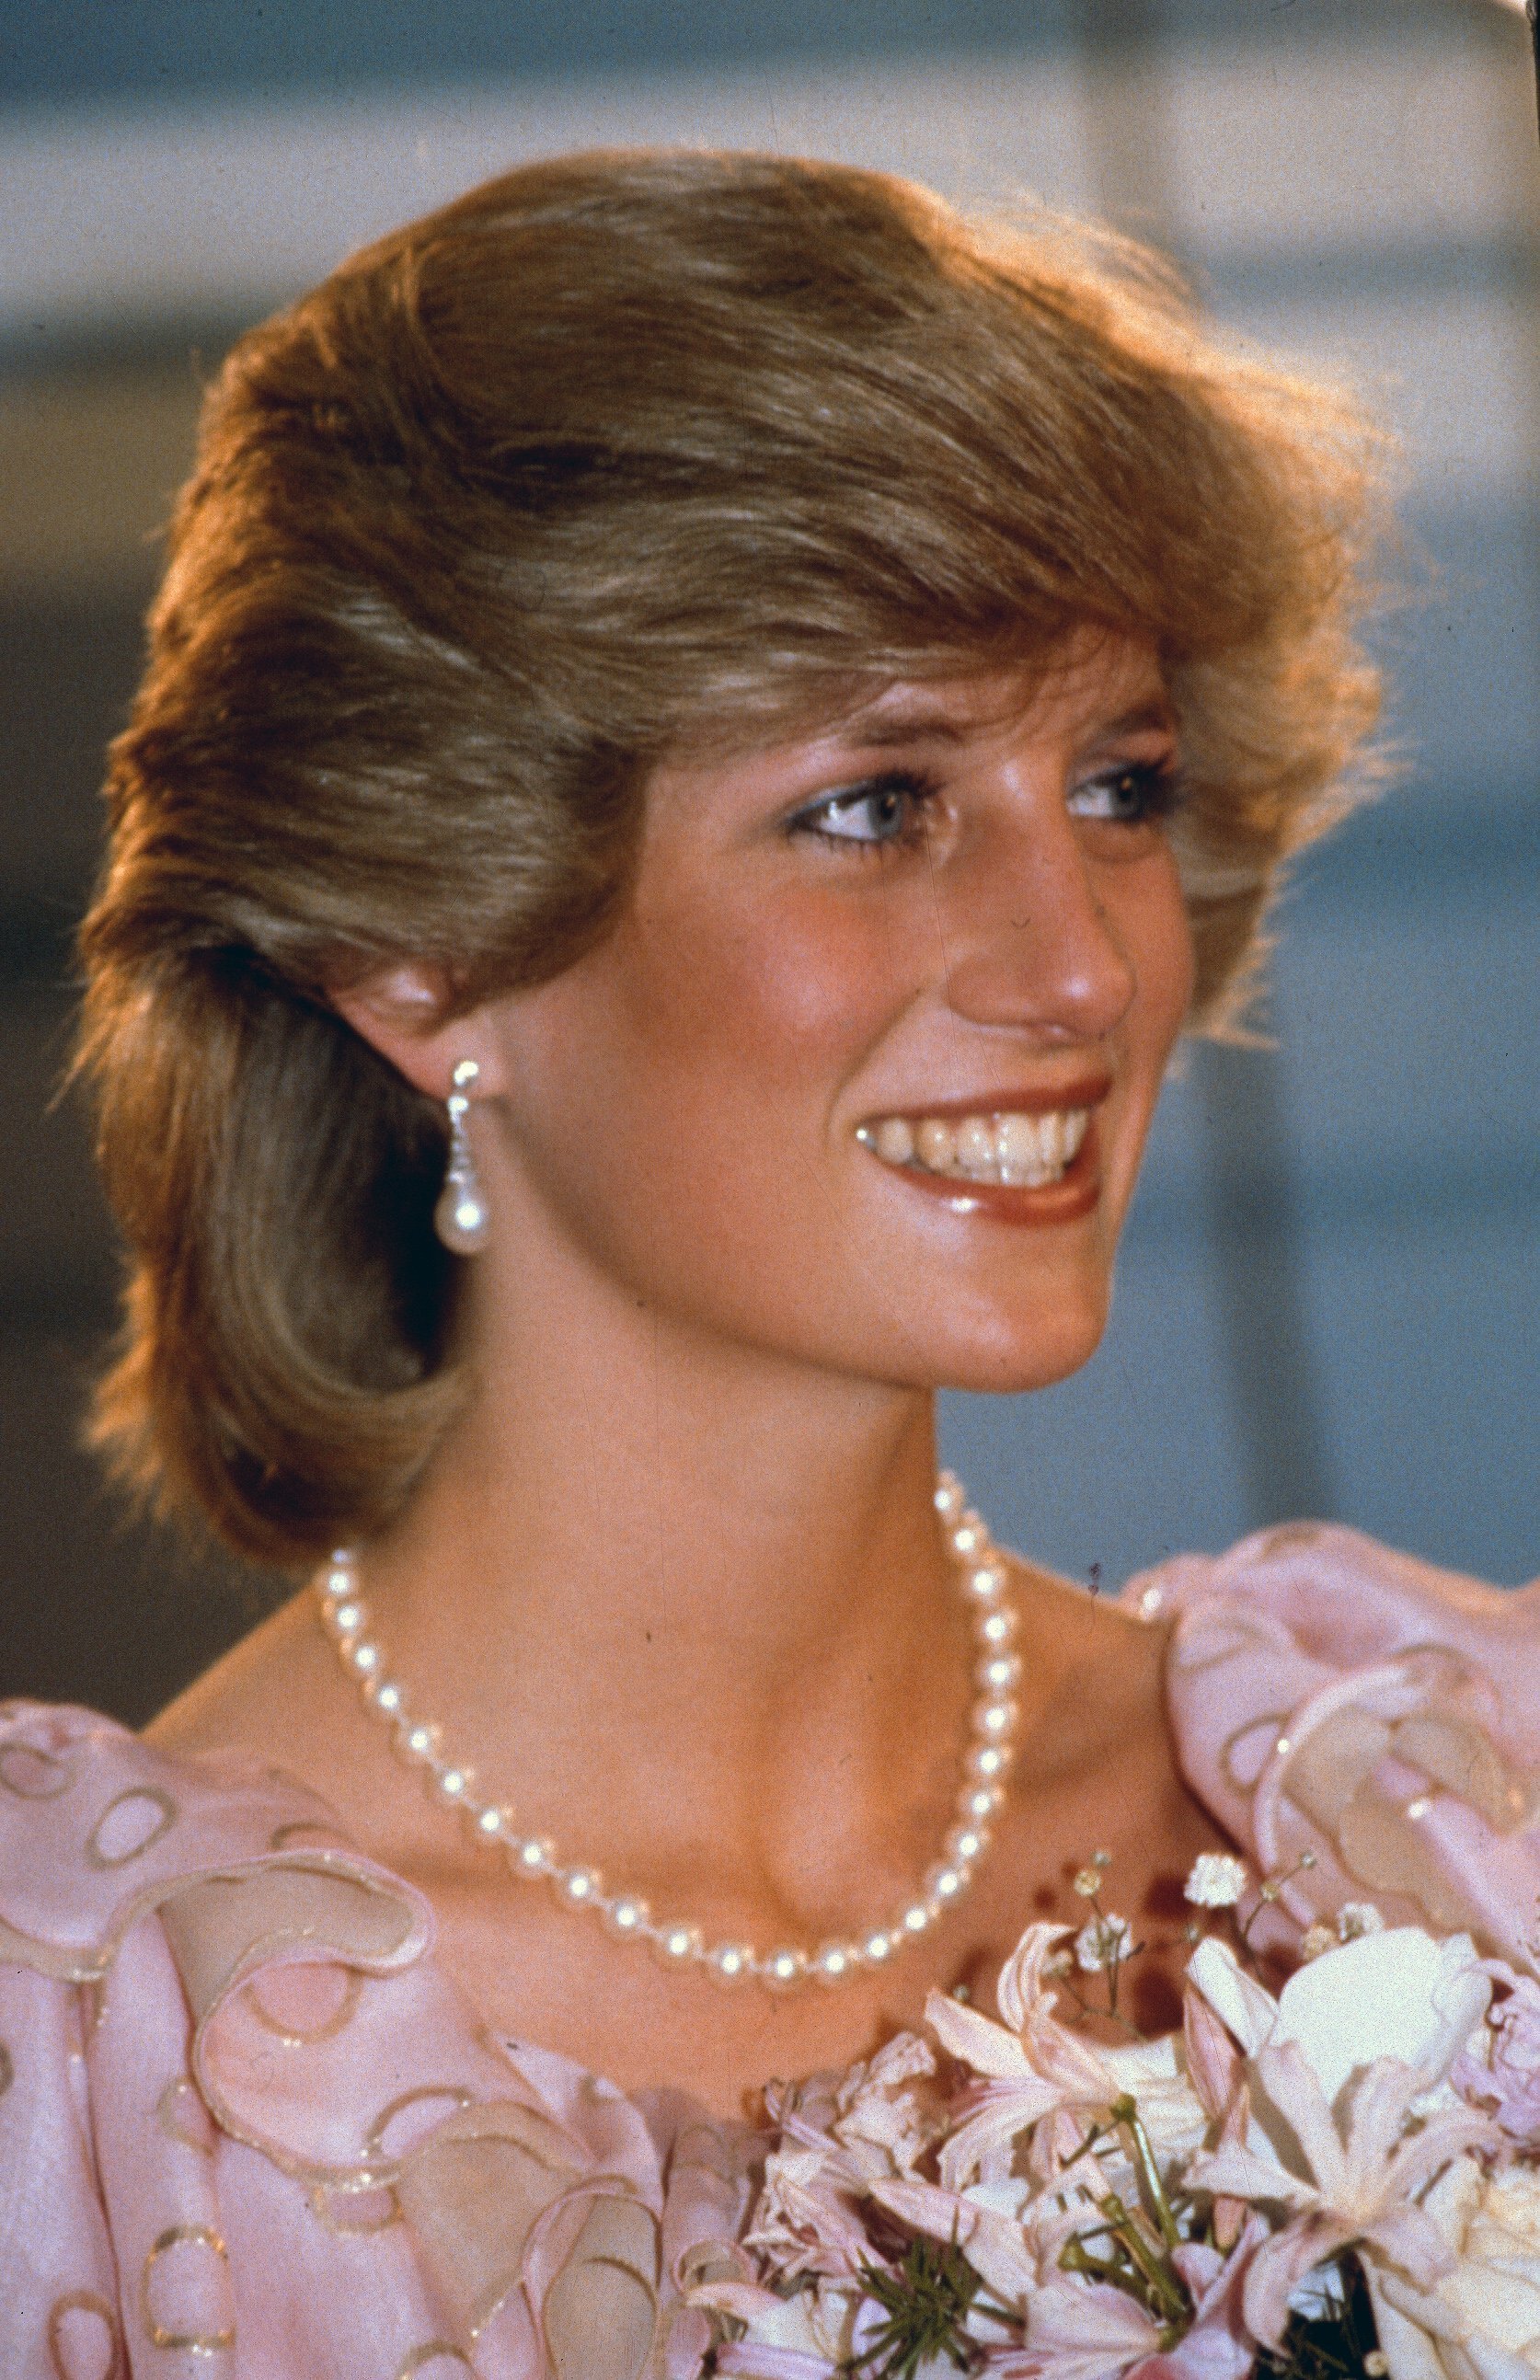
(1157, 785)
(912, 786)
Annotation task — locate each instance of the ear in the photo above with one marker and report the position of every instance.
(401, 1013)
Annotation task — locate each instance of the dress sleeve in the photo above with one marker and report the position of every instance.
(1366, 1725)
(248, 2126)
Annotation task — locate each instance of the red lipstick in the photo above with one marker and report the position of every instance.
(1087, 1091)
(1074, 1195)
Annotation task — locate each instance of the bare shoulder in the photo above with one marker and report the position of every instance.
(1085, 1629)
(254, 1696)
(1100, 1672)
(279, 1696)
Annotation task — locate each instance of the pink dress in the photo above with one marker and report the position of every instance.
(248, 2126)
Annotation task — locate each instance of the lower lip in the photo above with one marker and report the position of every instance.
(1074, 1195)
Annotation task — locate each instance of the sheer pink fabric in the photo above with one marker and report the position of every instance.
(248, 2127)
(1331, 1698)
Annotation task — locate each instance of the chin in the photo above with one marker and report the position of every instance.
(1011, 1355)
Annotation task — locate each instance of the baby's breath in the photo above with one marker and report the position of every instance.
(1216, 1880)
(1356, 1918)
(1102, 1944)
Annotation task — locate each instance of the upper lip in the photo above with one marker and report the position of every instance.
(1040, 1098)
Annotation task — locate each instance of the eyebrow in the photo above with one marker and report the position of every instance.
(905, 727)
(911, 726)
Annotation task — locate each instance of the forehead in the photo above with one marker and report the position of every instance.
(1090, 682)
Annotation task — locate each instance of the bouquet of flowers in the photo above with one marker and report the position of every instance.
(1343, 2180)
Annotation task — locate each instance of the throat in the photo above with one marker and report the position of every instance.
(830, 1755)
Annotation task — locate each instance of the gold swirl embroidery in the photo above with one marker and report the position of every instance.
(1211, 1638)
(181, 2093)
(93, 2004)
(329, 2027)
(374, 2139)
(436, 2350)
(369, 2196)
(59, 1774)
(281, 1837)
(157, 1800)
(1244, 1755)
(191, 2342)
(85, 2302)
(1334, 1776)
(7, 2070)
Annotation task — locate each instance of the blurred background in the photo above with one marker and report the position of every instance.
(1331, 1285)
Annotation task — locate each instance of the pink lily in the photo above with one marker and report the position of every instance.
(806, 2219)
(1213, 2060)
(1032, 2066)
(1509, 2080)
(1080, 2331)
(811, 2335)
(837, 2139)
(993, 2244)
(1030, 2063)
(1361, 2191)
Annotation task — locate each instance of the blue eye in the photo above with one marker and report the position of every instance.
(1132, 795)
(887, 809)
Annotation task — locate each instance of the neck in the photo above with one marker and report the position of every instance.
(666, 1594)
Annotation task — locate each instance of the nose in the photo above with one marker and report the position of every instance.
(1029, 941)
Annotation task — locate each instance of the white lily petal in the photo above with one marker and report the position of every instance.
(978, 2040)
(1236, 1998)
(1091, 2334)
(1285, 2075)
(1010, 2110)
(1399, 1994)
(993, 2242)
(1235, 2172)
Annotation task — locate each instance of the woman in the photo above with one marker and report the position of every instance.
(708, 727)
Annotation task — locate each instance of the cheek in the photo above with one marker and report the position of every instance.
(697, 1048)
(1157, 933)
(679, 1092)
(785, 999)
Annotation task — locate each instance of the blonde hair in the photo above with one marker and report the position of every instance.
(618, 454)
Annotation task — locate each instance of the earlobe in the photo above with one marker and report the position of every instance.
(402, 1012)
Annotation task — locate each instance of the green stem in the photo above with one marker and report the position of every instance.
(1163, 2286)
(1126, 2110)
(1077, 2258)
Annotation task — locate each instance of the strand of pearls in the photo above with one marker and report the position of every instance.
(678, 1944)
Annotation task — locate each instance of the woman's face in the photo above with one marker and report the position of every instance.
(864, 1072)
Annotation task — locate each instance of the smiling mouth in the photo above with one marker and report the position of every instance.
(1007, 1147)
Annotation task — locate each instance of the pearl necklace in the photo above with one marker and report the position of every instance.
(677, 1943)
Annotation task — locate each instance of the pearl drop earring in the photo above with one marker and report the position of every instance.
(460, 1217)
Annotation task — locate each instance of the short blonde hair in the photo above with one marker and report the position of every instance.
(618, 454)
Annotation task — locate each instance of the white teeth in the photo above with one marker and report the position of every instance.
(1024, 1151)
(1022, 1160)
(936, 1146)
(975, 1150)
